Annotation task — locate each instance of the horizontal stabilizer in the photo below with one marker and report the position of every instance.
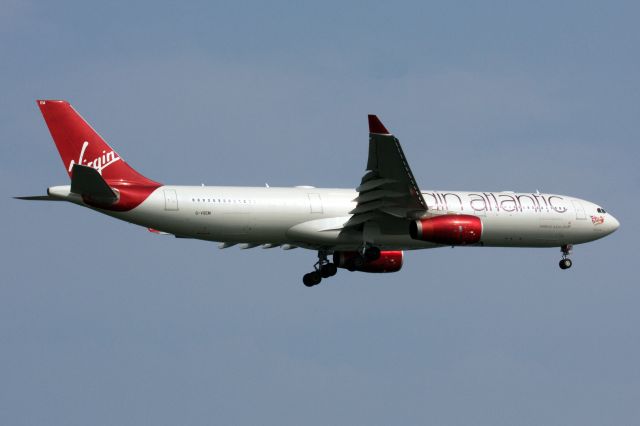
(38, 198)
(88, 182)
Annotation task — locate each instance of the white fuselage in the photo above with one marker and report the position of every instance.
(313, 217)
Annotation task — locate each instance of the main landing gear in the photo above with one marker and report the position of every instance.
(322, 269)
(325, 269)
(565, 262)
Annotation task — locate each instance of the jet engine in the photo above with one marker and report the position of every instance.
(450, 229)
(389, 261)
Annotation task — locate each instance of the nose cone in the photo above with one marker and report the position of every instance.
(612, 224)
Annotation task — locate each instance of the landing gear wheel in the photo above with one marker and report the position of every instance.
(565, 263)
(322, 269)
(311, 279)
(328, 270)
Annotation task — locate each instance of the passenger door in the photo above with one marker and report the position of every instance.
(170, 200)
(579, 209)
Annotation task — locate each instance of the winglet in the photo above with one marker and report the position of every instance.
(376, 126)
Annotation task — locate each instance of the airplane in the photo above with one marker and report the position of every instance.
(365, 229)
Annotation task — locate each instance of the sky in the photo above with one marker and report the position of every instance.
(103, 323)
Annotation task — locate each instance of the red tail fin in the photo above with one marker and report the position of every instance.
(78, 143)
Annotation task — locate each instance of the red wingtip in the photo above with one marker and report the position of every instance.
(376, 126)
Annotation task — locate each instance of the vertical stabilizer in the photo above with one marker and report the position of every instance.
(78, 143)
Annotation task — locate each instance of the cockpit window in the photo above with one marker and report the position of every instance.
(601, 210)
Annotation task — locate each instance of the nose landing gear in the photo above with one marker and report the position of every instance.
(322, 269)
(565, 262)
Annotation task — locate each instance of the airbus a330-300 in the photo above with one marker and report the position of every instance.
(363, 229)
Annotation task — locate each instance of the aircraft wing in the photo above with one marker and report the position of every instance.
(388, 189)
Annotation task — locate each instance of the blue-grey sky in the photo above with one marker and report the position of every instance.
(104, 323)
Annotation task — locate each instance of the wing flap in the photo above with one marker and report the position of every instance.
(370, 206)
(369, 183)
(377, 195)
(359, 219)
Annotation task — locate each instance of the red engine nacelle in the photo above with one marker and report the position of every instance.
(450, 229)
(389, 261)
